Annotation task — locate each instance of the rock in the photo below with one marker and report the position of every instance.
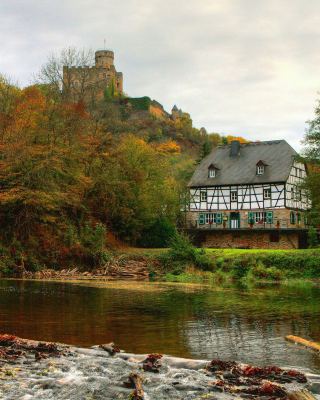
(314, 387)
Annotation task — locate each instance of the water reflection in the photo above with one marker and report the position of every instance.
(237, 322)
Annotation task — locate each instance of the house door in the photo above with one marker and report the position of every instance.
(234, 220)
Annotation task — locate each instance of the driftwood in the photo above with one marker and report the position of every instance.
(307, 343)
(127, 269)
(301, 395)
(116, 268)
(109, 348)
(134, 382)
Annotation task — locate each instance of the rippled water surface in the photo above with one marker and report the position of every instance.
(243, 323)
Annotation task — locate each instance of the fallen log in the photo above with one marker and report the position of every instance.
(109, 348)
(307, 343)
(301, 395)
(134, 382)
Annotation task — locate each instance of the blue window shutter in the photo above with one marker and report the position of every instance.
(219, 218)
(250, 217)
(201, 219)
(269, 217)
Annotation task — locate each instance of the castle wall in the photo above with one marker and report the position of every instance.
(85, 81)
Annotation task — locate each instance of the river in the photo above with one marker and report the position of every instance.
(246, 323)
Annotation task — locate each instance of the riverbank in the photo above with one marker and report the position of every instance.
(52, 371)
(188, 263)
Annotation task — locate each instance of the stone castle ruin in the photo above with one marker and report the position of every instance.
(90, 82)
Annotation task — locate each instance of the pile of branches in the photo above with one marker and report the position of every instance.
(127, 269)
(13, 347)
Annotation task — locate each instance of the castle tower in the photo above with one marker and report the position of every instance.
(87, 82)
(104, 58)
(175, 113)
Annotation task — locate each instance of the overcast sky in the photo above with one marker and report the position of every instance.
(239, 67)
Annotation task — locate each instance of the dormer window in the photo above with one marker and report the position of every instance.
(261, 167)
(212, 171)
(260, 170)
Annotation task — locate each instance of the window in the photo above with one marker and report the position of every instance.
(211, 218)
(212, 173)
(118, 78)
(118, 85)
(260, 170)
(300, 195)
(203, 196)
(76, 84)
(97, 75)
(292, 193)
(234, 196)
(77, 76)
(104, 74)
(274, 237)
(267, 194)
(260, 217)
(292, 218)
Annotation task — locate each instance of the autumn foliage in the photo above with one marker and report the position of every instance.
(75, 175)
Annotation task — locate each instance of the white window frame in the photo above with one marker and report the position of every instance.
(233, 195)
(212, 173)
(260, 169)
(267, 194)
(260, 216)
(203, 196)
(210, 218)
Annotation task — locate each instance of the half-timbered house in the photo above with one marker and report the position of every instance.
(249, 195)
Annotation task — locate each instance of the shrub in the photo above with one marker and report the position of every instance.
(140, 103)
(274, 274)
(158, 235)
(259, 271)
(181, 248)
(312, 238)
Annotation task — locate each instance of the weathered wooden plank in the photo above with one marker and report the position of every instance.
(301, 395)
(304, 342)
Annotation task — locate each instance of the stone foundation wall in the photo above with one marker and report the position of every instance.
(251, 239)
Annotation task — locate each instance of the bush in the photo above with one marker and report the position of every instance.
(312, 238)
(140, 103)
(159, 235)
(274, 274)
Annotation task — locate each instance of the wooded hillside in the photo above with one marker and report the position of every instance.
(77, 176)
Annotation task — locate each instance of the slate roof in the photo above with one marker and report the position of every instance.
(237, 170)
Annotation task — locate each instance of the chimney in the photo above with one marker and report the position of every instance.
(235, 148)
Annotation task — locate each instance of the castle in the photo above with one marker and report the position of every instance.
(81, 82)
(90, 82)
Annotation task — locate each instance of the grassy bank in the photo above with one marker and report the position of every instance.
(183, 262)
(183, 259)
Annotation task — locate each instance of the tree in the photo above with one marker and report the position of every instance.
(311, 152)
(51, 72)
(9, 91)
(205, 149)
